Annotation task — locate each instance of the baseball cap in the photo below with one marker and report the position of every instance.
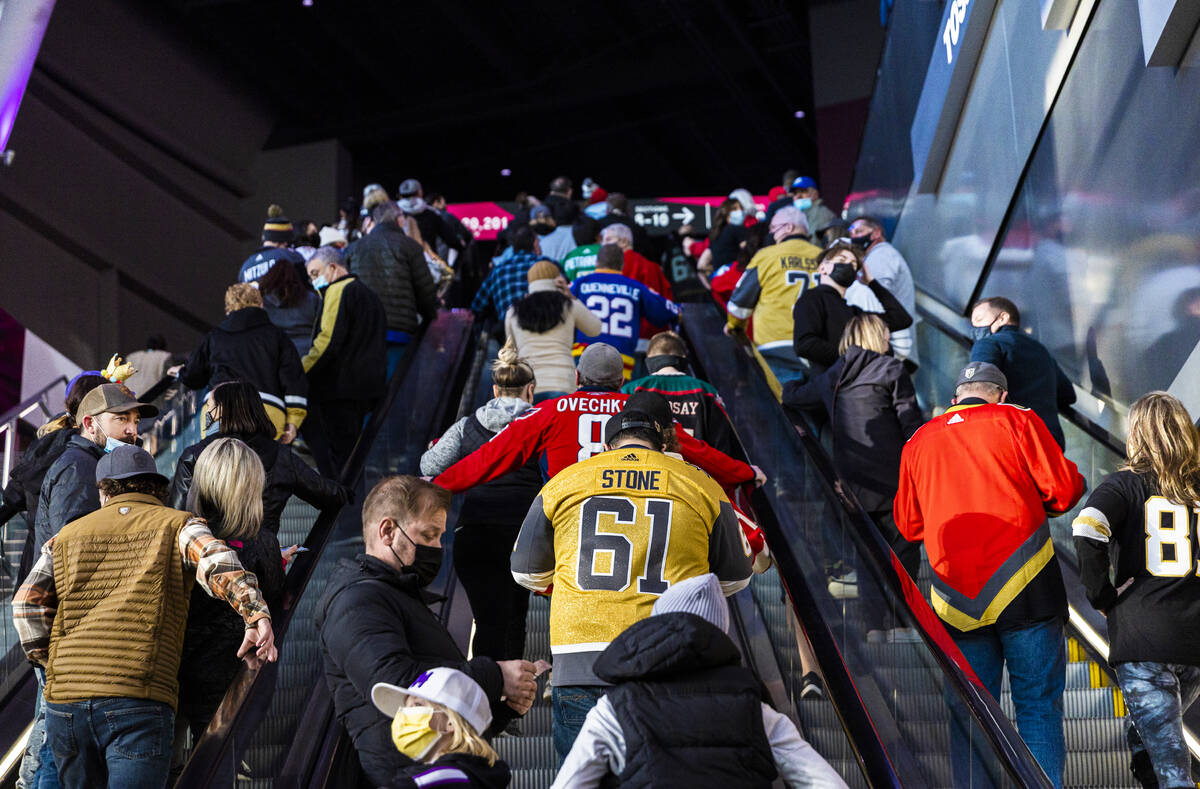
(981, 373)
(701, 596)
(651, 403)
(804, 182)
(445, 686)
(410, 187)
(111, 399)
(626, 420)
(601, 362)
(540, 213)
(127, 460)
(331, 235)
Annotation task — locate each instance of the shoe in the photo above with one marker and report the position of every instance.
(513, 729)
(903, 635)
(845, 587)
(244, 772)
(812, 687)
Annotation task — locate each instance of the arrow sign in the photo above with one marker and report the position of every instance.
(685, 216)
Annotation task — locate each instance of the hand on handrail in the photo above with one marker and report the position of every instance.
(258, 645)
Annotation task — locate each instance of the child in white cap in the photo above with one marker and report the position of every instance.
(436, 722)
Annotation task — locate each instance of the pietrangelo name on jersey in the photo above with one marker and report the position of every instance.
(633, 479)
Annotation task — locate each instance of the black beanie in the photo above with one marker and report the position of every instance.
(277, 228)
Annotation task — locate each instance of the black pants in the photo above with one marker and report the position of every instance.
(499, 604)
(331, 429)
(877, 612)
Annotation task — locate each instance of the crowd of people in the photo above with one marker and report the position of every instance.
(603, 474)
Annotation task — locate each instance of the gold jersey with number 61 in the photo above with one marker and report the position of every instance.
(612, 533)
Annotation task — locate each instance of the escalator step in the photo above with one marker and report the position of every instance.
(537, 778)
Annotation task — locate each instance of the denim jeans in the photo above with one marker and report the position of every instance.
(1036, 656)
(1157, 695)
(784, 364)
(570, 706)
(38, 770)
(114, 742)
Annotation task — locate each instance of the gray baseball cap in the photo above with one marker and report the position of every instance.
(601, 362)
(127, 461)
(982, 373)
(112, 399)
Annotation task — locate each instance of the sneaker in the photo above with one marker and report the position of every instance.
(244, 772)
(546, 688)
(845, 587)
(812, 687)
(904, 635)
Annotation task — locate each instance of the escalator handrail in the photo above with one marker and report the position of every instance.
(1012, 751)
(250, 687)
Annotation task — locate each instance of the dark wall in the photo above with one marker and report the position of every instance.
(131, 200)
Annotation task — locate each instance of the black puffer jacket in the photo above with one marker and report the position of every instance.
(68, 489)
(287, 476)
(376, 626)
(209, 661)
(690, 712)
(246, 346)
(393, 265)
(25, 487)
(873, 409)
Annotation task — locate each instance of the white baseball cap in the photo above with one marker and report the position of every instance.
(446, 686)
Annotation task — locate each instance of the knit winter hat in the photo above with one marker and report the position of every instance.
(543, 269)
(277, 228)
(700, 596)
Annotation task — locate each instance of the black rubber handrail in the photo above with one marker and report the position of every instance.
(1010, 749)
(249, 696)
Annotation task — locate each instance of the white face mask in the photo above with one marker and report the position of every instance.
(736, 218)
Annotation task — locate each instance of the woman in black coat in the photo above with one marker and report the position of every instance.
(239, 411)
(872, 407)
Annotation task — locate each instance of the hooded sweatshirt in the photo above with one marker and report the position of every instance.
(505, 500)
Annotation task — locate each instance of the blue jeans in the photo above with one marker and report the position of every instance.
(1157, 695)
(395, 352)
(114, 742)
(570, 706)
(38, 770)
(1037, 671)
(784, 364)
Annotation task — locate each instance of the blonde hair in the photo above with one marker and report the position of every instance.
(510, 372)
(464, 738)
(1163, 442)
(227, 486)
(240, 296)
(867, 331)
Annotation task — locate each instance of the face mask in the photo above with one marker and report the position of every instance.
(803, 203)
(110, 443)
(737, 217)
(843, 274)
(320, 283)
(209, 422)
(411, 733)
(862, 242)
(412, 205)
(977, 333)
(426, 562)
(656, 363)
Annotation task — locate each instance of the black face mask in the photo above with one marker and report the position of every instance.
(656, 363)
(843, 274)
(426, 562)
(862, 242)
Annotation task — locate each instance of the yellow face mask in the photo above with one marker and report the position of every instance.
(411, 733)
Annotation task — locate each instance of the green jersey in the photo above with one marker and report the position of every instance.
(580, 261)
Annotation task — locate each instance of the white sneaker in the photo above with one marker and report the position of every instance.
(846, 587)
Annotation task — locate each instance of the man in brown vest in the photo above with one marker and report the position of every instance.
(104, 611)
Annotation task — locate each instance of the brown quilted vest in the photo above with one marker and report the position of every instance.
(122, 603)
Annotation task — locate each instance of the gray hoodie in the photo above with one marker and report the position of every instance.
(495, 415)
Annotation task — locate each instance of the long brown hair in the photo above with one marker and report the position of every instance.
(721, 216)
(1163, 442)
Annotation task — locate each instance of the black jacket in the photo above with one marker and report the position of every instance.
(68, 490)
(246, 346)
(433, 227)
(25, 488)
(393, 265)
(873, 409)
(287, 476)
(505, 501)
(690, 712)
(564, 210)
(821, 314)
(454, 769)
(208, 661)
(376, 626)
(348, 358)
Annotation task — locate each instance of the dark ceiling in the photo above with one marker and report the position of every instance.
(650, 97)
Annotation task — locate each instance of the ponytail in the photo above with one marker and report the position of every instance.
(510, 372)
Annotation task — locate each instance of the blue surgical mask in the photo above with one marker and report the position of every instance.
(737, 217)
(803, 203)
(320, 283)
(111, 443)
(977, 333)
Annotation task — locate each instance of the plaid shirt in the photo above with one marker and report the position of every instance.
(218, 572)
(505, 285)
